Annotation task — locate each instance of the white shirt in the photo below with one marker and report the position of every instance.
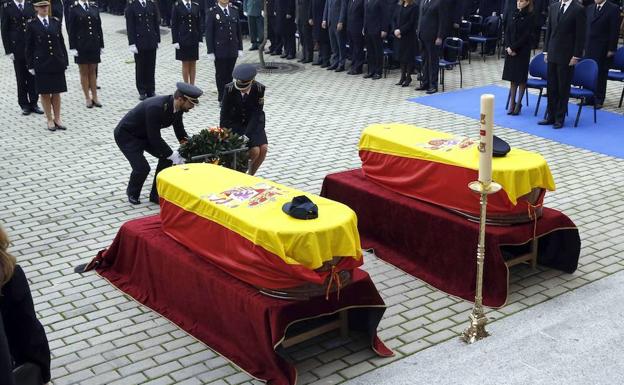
(83, 3)
(41, 19)
(224, 8)
(566, 5)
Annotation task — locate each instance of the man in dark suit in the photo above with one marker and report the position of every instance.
(563, 48)
(432, 29)
(143, 26)
(601, 41)
(320, 35)
(286, 27)
(305, 30)
(334, 17)
(224, 41)
(15, 14)
(355, 26)
(139, 132)
(376, 27)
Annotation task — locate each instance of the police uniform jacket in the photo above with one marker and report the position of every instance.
(223, 33)
(45, 47)
(85, 28)
(376, 17)
(145, 121)
(186, 26)
(143, 25)
(241, 116)
(13, 26)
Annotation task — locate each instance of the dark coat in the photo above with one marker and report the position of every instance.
(186, 26)
(45, 48)
(518, 37)
(317, 8)
(433, 20)
(284, 8)
(602, 30)
(355, 16)
(145, 121)
(335, 12)
(13, 27)
(85, 28)
(143, 25)
(565, 37)
(25, 334)
(224, 37)
(406, 21)
(376, 17)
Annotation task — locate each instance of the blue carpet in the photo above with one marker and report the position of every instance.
(605, 137)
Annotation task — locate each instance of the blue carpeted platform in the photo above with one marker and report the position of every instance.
(605, 137)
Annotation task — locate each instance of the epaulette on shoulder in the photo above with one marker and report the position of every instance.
(75, 4)
(4, 5)
(211, 8)
(233, 7)
(194, 3)
(56, 18)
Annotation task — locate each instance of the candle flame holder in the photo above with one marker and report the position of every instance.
(476, 330)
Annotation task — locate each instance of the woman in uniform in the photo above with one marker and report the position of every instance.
(186, 32)
(86, 42)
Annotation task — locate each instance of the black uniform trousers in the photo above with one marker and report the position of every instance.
(374, 52)
(26, 93)
(133, 149)
(431, 63)
(274, 37)
(559, 79)
(145, 68)
(307, 43)
(357, 51)
(287, 32)
(223, 73)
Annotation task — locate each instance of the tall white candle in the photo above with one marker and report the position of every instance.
(485, 136)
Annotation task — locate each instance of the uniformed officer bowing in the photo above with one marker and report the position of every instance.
(242, 111)
(15, 15)
(187, 25)
(139, 132)
(224, 41)
(143, 26)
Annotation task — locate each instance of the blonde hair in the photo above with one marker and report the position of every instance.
(7, 261)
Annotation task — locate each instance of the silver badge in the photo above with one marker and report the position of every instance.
(218, 17)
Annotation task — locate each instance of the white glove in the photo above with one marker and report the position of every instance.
(211, 56)
(176, 45)
(101, 51)
(201, 43)
(11, 56)
(176, 158)
(262, 13)
(73, 52)
(133, 49)
(32, 71)
(157, 45)
(245, 13)
(240, 53)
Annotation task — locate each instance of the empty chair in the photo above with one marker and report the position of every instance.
(452, 50)
(584, 84)
(490, 33)
(618, 74)
(538, 70)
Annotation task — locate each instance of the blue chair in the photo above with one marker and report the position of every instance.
(538, 69)
(584, 84)
(618, 75)
(387, 55)
(465, 30)
(491, 31)
(452, 51)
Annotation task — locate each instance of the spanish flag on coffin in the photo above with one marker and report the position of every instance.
(236, 221)
(436, 167)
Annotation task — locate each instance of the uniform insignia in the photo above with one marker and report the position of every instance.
(217, 16)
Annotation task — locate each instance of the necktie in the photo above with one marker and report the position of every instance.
(143, 4)
(188, 5)
(561, 10)
(45, 23)
(86, 7)
(20, 6)
(227, 14)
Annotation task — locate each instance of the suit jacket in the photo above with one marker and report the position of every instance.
(242, 116)
(143, 25)
(45, 48)
(85, 28)
(186, 26)
(376, 17)
(602, 30)
(224, 37)
(303, 14)
(433, 20)
(13, 27)
(335, 12)
(565, 36)
(355, 16)
(145, 121)
(317, 8)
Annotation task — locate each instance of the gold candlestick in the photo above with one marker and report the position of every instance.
(476, 330)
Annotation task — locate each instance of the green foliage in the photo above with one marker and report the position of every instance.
(213, 141)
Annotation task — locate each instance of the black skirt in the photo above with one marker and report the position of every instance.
(50, 82)
(187, 53)
(87, 57)
(516, 68)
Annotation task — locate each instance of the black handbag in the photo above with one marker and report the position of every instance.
(27, 374)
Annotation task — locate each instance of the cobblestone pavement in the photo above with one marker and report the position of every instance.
(63, 200)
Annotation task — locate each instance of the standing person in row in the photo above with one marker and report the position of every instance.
(601, 41)
(243, 112)
(319, 34)
(563, 48)
(15, 15)
(186, 33)
(253, 9)
(376, 27)
(355, 26)
(518, 44)
(164, 9)
(86, 42)
(305, 30)
(334, 17)
(224, 41)
(57, 9)
(432, 29)
(139, 132)
(274, 36)
(143, 29)
(286, 27)
(406, 21)
(46, 57)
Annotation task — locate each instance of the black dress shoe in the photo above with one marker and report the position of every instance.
(25, 111)
(367, 76)
(407, 82)
(290, 57)
(51, 128)
(340, 69)
(431, 90)
(154, 200)
(276, 53)
(60, 127)
(546, 122)
(284, 55)
(96, 104)
(422, 87)
(317, 63)
(557, 125)
(142, 97)
(133, 200)
(332, 67)
(150, 94)
(376, 77)
(324, 65)
(517, 109)
(306, 61)
(36, 110)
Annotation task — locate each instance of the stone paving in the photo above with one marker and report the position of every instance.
(62, 200)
